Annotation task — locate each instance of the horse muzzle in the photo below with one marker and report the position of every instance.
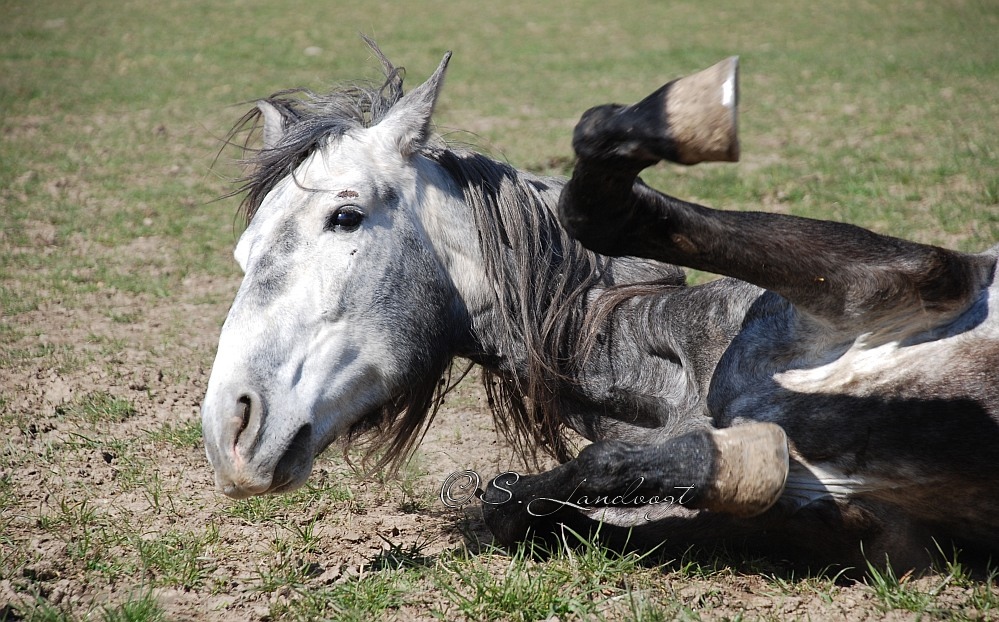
(250, 452)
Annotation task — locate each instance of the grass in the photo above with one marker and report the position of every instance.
(898, 592)
(182, 436)
(141, 608)
(491, 586)
(98, 407)
(116, 270)
(135, 608)
(354, 600)
(176, 558)
(315, 494)
(525, 590)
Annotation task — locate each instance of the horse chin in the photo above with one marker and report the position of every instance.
(287, 479)
(291, 472)
(291, 480)
(289, 486)
(295, 466)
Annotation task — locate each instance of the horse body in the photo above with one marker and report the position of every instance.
(876, 356)
(905, 418)
(787, 402)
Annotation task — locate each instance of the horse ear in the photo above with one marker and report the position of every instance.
(409, 120)
(273, 123)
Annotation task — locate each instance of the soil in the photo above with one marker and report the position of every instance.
(56, 457)
(108, 480)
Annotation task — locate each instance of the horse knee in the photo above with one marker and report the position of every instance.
(605, 458)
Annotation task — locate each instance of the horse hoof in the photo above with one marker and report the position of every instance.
(751, 469)
(702, 109)
(689, 120)
(503, 513)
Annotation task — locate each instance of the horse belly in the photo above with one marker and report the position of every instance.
(961, 367)
(779, 359)
(911, 422)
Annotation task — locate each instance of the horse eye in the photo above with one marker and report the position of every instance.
(345, 219)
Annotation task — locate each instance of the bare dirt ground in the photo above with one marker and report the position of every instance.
(101, 410)
(107, 491)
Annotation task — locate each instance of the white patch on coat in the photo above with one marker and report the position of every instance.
(873, 361)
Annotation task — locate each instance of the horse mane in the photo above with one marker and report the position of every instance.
(540, 275)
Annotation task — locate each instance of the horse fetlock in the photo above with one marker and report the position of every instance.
(751, 467)
(621, 138)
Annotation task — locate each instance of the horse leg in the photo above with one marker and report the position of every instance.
(738, 471)
(846, 276)
(640, 497)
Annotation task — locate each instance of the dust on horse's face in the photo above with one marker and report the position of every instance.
(345, 301)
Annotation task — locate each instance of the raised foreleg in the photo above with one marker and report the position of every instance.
(841, 274)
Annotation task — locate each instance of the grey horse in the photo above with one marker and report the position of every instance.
(835, 396)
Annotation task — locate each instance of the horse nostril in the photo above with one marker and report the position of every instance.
(244, 406)
(246, 422)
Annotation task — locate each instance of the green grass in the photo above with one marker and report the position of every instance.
(532, 584)
(398, 556)
(98, 407)
(135, 608)
(537, 584)
(112, 247)
(897, 592)
(175, 558)
(141, 608)
(185, 435)
(318, 491)
(353, 600)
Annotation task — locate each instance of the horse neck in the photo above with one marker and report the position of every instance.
(526, 287)
(508, 258)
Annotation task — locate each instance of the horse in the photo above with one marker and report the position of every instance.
(834, 396)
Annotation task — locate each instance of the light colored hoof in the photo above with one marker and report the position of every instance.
(702, 112)
(752, 469)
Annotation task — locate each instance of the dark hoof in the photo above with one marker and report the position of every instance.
(502, 512)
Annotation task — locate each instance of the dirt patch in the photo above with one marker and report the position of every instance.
(109, 497)
(103, 463)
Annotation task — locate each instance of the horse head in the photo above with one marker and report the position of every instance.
(346, 308)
